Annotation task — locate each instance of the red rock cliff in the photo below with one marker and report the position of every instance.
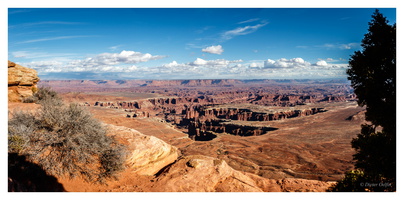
(22, 82)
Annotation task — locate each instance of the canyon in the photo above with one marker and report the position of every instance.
(217, 135)
(275, 129)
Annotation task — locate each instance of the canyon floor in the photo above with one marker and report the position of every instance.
(315, 147)
(296, 152)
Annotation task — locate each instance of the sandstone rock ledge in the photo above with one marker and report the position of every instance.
(22, 82)
(206, 174)
(167, 171)
(147, 154)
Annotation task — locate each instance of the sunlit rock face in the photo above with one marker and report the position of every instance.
(22, 82)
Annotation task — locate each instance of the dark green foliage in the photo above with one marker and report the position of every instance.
(375, 154)
(359, 181)
(372, 73)
(353, 181)
(65, 140)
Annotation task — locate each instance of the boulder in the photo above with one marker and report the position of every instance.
(22, 82)
(147, 154)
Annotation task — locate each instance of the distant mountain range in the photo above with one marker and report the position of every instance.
(185, 83)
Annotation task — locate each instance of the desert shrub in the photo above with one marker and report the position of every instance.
(46, 93)
(20, 127)
(30, 99)
(34, 90)
(66, 140)
(42, 94)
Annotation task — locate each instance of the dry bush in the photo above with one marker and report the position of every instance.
(42, 94)
(20, 127)
(65, 140)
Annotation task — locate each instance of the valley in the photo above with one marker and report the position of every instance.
(271, 128)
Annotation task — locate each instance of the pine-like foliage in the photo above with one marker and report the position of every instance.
(372, 73)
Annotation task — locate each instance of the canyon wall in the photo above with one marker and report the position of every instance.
(201, 117)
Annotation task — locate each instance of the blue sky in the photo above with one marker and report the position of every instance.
(187, 43)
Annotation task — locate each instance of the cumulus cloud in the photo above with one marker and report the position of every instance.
(214, 49)
(201, 68)
(123, 65)
(199, 61)
(253, 65)
(217, 62)
(124, 57)
(321, 63)
(105, 62)
(285, 63)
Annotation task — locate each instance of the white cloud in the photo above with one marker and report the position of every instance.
(105, 62)
(297, 60)
(321, 63)
(253, 65)
(340, 46)
(285, 63)
(123, 65)
(124, 57)
(241, 31)
(172, 64)
(113, 48)
(199, 61)
(213, 63)
(20, 54)
(52, 38)
(24, 25)
(250, 20)
(213, 49)
(38, 54)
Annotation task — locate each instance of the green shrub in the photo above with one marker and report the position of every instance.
(352, 182)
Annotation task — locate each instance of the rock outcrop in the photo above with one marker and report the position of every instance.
(155, 166)
(207, 174)
(147, 154)
(22, 82)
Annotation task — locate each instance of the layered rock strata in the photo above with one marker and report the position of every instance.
(22, 82)
(147, 155)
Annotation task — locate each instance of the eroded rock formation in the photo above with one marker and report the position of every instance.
(201, 116)
(22, 82)
(207, 174)
(147, 154)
